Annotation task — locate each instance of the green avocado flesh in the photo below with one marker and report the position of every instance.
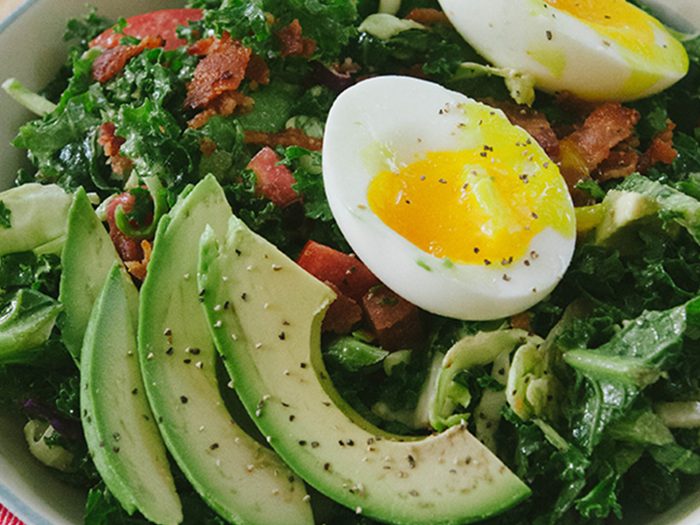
(120, 431)
(88, 254)
(245, 482)
(265, 313)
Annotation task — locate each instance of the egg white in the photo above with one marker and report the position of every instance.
(563, 53)
(386, 122)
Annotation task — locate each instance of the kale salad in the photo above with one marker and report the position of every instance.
(588, 396)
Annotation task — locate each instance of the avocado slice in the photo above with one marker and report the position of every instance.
(120, 430)
(265, 313)
(239, 478)
(622, 209)
(87, 257)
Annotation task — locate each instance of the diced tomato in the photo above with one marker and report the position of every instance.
(395, 321)
(273, 180)
(162, 24)
(342, 314)
(344, 271)
(129, 249)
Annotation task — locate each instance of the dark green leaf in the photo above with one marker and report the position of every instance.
(5, 216)
(593, 189)
(86, 28)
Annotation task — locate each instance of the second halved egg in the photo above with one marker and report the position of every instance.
(595, 49)
(449, 204)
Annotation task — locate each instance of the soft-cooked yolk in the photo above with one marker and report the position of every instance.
(614, 14)
(626, 25)
(476, 206)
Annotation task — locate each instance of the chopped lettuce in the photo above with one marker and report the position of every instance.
(30, 100)
(452, 397)
(27, 319)
(354, 355)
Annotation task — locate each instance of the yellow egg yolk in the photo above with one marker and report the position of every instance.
(479, 205)
(628, 26)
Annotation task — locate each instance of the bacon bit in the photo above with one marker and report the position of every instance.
(112, 61)
(415, 71)
(258, 70)
(224, 105)
(201, 47)
(395, 321)
(111, 144)
(288, 137)
(139, 268)
(660, 150)
(428, 16)
(207, 146)
(574, 170)
(220, 71)
(342, 314)
(607, 126)
(293, 43)
(532, 121)
(108, 140)
(522, 321)
(620, 163)
(574, 105)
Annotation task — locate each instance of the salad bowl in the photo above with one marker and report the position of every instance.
(32, 49)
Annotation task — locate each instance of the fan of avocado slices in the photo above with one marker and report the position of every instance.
(167, 353)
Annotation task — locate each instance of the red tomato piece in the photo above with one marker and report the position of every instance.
(344, 271)
(342, 314)
(273, 180)
(129, 249)
(395, 321)
(162, 24)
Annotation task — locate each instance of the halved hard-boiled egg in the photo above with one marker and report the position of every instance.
(596, 49)
(449, 204)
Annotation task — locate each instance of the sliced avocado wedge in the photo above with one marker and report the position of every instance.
(120, 430)
(245, 482)
(87, 257)
(266, 313)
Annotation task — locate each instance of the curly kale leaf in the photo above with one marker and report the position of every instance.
(634, 358)
(154, 142)
(330, 23)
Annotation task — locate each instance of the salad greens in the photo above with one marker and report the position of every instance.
(595, 407)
